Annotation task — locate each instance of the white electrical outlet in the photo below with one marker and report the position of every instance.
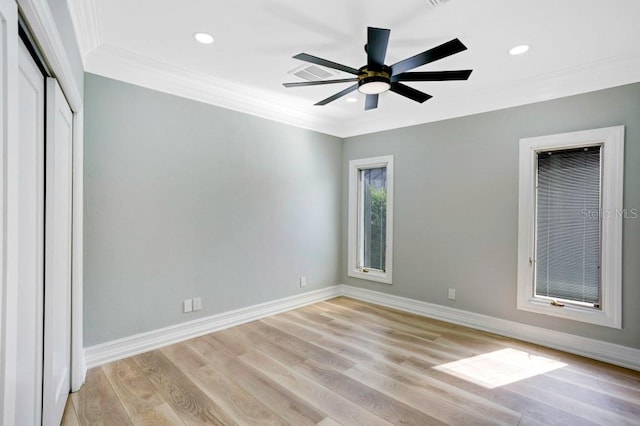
(452, 293)
(187, 305)
(197, 303)
(303, 281)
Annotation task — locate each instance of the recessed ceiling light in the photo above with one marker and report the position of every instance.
(204, 38)
(519, 50)
(352, 100)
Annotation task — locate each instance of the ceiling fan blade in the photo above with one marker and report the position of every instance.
(325, 63)
(338, 95)
(318, 83)
(409, 92)
(377, 42)
(449, 48)
(433, 76)
(371, 102)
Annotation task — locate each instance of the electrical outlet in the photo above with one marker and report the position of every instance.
(197, 303)
(303, 281)
(187, 305)
(452, 293)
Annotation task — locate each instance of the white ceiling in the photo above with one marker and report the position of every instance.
(576, 46)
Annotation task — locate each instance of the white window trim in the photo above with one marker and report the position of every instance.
(612, 141)
(353, 270)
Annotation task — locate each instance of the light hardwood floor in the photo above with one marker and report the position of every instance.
(347, 362)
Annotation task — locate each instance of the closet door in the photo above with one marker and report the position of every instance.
(57, 302)
(31, 91)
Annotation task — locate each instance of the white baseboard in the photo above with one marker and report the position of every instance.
(612, 353)
(143, 342)
(122, 348)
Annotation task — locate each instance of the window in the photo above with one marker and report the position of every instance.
(570, 225)
(371, 218)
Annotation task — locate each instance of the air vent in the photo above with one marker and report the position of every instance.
(312, 72)
(436, 3)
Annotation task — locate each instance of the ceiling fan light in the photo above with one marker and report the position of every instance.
(519, 50)
(204, 38)
(373, 85)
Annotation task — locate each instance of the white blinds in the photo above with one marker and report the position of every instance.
(568, 225)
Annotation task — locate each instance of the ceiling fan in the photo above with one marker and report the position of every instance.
(375, 77)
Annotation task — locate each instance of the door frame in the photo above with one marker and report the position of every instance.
(9, 184)
(39, 17)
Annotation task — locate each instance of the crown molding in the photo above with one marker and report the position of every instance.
(585, 78)
(124, 65)
(87, 24)
(120, 64)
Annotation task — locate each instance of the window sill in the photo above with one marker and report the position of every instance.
(383, 277)
(571, 312)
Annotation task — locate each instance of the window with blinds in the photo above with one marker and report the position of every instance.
(570, 214)
(568, 225)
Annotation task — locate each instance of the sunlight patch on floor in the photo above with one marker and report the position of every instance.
(499, 368)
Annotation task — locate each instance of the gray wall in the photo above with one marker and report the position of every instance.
(184, 199)
(456, 205)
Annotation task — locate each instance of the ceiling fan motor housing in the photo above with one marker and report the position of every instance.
(373, 82)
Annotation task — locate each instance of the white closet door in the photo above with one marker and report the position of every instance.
(31, 240)
(57, 308)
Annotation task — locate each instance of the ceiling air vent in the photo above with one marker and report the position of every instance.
(312, 72)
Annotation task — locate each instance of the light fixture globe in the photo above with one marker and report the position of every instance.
(373, 85)
(204, 38)
(519, 50)
(374, 82)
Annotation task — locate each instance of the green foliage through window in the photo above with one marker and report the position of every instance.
(378, 220)
(374, 186)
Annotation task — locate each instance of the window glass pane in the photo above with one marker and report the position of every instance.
(374, 217)
(568, 225)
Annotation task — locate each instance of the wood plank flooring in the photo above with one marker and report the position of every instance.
(345, 362)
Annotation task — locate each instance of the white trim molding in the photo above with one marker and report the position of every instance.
(87, 24)
(78, 367)
(612, 353)
(143, 342)
(129, 346)
(8, 209)
(124, 65)
(611, 215)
